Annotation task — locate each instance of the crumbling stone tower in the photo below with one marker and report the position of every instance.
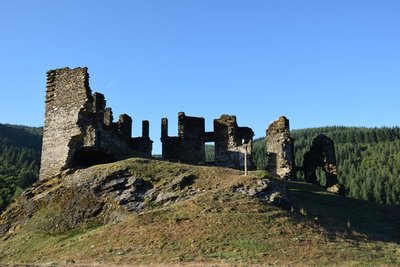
(280, 151)
(79, 129)
(322, 154)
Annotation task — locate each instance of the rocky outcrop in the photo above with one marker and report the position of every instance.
(110, 192)
(280, 151)
(322, 154)
(100, 193)
(267, 191)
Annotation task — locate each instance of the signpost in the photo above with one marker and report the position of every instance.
(245, 157)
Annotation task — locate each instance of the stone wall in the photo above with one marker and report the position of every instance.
(231, 143)
(78, 128)
(322, 154)
(170, 145)
(189, 145)
(280, 150)
(191, 139)
(79, 131)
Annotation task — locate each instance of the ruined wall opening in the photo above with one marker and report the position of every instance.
(210, 153)
(299, 174)
(89, 156)
(321, 176)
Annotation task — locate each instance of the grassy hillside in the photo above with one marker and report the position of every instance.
(217, 226)
(19, 159)
(368, 159)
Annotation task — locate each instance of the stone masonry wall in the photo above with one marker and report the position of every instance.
(189, 145)
(322, 154)
(280, 150)
(229, 146)
(170, 145)
(191, 139)
(67, 97)
(78, 128)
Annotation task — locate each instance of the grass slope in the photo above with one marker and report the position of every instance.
(218, 226)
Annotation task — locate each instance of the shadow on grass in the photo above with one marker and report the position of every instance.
(343, 214)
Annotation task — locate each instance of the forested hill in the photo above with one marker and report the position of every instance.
(368, 159)
(20, 148)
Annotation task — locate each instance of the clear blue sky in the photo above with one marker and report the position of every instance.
(317, 62)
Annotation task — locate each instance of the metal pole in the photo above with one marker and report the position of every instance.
(245, 159)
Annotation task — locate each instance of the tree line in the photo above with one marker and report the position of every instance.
(20, 148)
(368, 159)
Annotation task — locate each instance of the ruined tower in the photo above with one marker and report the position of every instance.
(78, 128)
(322, 154)
(280, 150)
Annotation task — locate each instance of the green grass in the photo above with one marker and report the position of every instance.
(222, 227)
(380, 222)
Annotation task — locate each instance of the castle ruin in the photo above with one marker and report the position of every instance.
(280, 151)
(322, 154)
(79, 128)
(280, 156)
(232, 142)
(79, 131)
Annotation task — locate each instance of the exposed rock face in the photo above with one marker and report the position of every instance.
(267, 191)
(231, 141)
(110, 192)
(100, 193)
(78, 128)
(322, 154)
(280, 151)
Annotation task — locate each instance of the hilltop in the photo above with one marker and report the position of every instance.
(147, 211)
(368, 159)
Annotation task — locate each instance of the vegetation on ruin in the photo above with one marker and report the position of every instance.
(218, 226)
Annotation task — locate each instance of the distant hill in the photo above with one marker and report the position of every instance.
(20, 148)
(368, 159)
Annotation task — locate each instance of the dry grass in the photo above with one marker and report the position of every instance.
(216, 227)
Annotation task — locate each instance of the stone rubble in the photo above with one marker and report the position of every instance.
(267, 191)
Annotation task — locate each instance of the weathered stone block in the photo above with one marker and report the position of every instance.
(280, 150)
